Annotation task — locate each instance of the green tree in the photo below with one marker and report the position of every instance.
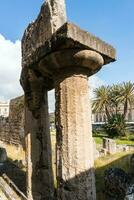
(111, 100)
(126, 96)
(115, 92)
(116, 125)
(102, 101)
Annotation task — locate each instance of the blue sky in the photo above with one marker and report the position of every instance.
(111, 20)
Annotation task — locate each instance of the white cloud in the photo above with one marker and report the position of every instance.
(94, 82)
(10, 68)
(51, 101)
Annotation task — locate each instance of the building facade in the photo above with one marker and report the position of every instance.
(100, 117)
(4, 109)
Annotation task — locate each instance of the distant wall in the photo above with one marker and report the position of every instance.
(12, 128)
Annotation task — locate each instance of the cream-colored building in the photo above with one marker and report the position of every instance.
(100, 117)
(4, 109)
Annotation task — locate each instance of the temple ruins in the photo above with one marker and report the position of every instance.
(58, 54)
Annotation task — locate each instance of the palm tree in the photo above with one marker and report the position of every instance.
(126, 96)
(115, 92)
(102, 101)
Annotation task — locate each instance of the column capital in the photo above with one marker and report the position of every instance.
(33, 86)
(69, 48)
(71, 61)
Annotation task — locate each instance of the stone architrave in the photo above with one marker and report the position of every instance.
(64, 61)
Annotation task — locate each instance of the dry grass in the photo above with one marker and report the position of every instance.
(13, 152)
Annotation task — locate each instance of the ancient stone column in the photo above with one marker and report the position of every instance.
(74, 56)
(65, 58)
(75, 167)
(40, 183)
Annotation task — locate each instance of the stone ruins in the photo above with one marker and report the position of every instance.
(12, 127)
(109, 145)
(58, 54)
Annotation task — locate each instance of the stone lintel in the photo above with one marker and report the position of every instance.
(69, 36)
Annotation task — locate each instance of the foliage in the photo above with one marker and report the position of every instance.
(131, 137)
(125, 140)
(116, 125)
(115, 103)
(110, 99)
(102, 100)
(126, 96)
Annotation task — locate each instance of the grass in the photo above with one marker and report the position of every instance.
(124, 140)
(98, 140)
(120, 160)
(98, 137)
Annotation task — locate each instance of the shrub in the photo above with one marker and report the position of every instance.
(116, 126)
(131, 137)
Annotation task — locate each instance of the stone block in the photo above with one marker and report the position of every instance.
(109, 145)
(69, 36)
(52, 16)
(130, 193)
(103, 152)
(116, 183)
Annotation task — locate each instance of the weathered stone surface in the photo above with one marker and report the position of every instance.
(116, 183)
(63, 59)
(40, 183)
(130, 193)
(3, 155)
(12, 128)
(39, 173)
(16, 111)
(74, 140)
(71, 61)
(51, 17)
(109, 145)
(69, 36)
(11, 191)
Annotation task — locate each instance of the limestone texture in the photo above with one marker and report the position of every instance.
(51, 17)
(39, 173)
(116, 182)
(40, 183)
(75, 174)
(58, 54)
(109, 145)
(12, 128)
(3, 155)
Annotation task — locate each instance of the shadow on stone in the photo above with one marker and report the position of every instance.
(123, 163)
(79, 187)
(17, 175)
